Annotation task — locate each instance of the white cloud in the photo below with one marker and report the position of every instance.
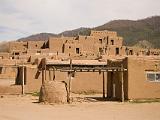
(27, 17)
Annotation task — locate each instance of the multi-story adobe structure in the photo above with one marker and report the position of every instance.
(106, 43)
(100, 43)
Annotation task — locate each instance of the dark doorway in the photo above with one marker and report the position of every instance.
(130, 52)
(77, 50)
(112, 42)
(100, 40)
(117, 51)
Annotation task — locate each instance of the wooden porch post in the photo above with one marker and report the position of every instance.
(103, 86)
(122, 83)
(43, 76)
(23, 80)
(69, 83)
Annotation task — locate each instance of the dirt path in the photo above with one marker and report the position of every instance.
(27, 108)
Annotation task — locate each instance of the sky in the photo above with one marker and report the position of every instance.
(21, 18)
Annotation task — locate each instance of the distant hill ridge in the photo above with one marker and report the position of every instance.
(132, 31)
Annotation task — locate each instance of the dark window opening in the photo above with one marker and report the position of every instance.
(107, 40)
(16, 53)
(25, 46)
(130, 52)
(69, 47)
(63, 47)
(100, 40)
(112, 42)
(77, 50)
(36, 45)
(1, 69)
(38, 51)
(117, 51)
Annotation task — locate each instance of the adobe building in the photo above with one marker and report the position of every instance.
(101, 46)
(141, 80)
(99, 42)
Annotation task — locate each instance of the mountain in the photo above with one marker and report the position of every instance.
(132, 31)
(75, 32)
(37, 37)
(143, 44)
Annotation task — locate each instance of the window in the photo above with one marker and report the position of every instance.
(38, 51)
(16, 53)
(112, 42)
(153, 76)
(100, 40)
(77, 50)
(130, 52)
(117, 51)
(25, 46)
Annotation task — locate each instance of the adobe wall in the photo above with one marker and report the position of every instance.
(12, 89)
(56, 44)
(36, 44)
(138, 86)
(83, 81)
(103, 33)
(33, 79)
(111, 51)
(4, 55)
(92, 45)
(17, 46)
(8, 72)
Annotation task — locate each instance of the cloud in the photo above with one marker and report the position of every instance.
(25, 17)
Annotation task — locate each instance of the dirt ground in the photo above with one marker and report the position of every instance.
(27, 108)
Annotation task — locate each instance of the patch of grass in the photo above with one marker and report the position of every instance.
(88, 92)
(145, 100)
(34, 93)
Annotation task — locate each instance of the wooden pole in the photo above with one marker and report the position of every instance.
(69, 83)
(23, 80)
(49, 74)
(43, 76)
(122, 83)
(103, 86)
(54, 70)
(45, 72)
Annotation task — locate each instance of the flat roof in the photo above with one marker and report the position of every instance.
(75, 62)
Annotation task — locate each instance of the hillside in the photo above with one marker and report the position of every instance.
(133, 31)
(36, 37)
(143, 44)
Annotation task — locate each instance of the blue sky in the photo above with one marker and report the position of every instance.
(20, 18)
